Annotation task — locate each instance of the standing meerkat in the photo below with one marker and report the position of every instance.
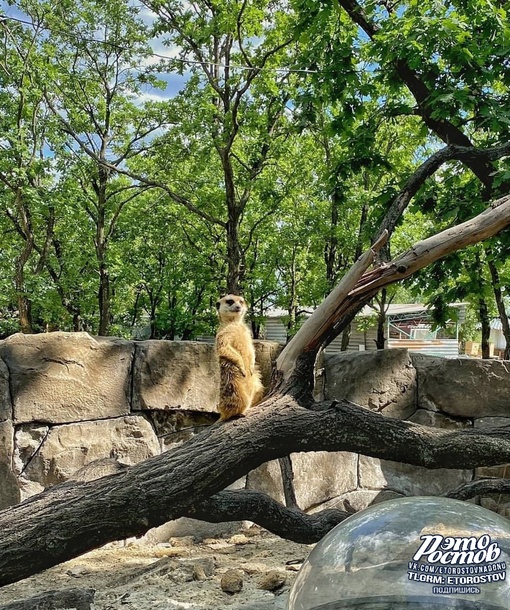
(240, 384)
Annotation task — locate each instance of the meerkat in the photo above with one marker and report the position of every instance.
(240, 384)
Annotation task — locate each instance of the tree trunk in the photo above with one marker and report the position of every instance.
(234, 257)
(77, 322)
(346, 337)
(25, 311)
(24, 303)
(331, 248)
(104, 300)
(483, 312)
(381, 320)
(74, 517)
(101, 244)
(25, 228)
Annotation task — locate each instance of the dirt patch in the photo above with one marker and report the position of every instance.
(178, 575)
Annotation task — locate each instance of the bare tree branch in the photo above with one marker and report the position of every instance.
(428, 168)
(290, 523)
(490, 222)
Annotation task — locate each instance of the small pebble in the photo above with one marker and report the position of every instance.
(199, 572)
(231, 581)
(272, 580)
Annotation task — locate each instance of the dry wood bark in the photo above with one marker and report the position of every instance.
(72, 518)
(480, 488)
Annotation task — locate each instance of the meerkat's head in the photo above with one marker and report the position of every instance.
(231, 308)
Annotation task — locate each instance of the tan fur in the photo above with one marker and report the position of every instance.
(240, 385)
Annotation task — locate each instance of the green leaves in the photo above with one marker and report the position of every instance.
(292, 135)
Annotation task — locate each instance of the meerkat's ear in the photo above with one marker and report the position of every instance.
(218, 303)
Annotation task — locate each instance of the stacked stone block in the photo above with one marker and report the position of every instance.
(69, 399)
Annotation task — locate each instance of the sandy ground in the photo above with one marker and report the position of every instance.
(179, 575)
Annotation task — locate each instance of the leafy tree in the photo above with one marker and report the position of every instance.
(453, 80)
(92, 96)
(24, 180)
(170, 279)
(233, 103)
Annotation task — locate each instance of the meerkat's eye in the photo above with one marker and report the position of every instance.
(229, 301)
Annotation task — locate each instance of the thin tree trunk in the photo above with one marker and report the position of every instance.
(346, 337)
(77, 322)
(483, 312)
(24, 305)
(381, 320)
(23, 300)
(104, 299)
(287, 473)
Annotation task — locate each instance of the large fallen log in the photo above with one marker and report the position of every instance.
(72, 518)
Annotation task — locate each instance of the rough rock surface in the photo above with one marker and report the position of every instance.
(5, 393)
(384, 380)
(267, 479)
(199, 530)
(78, 599)
(463, 386)
(66, 377)
(320, 476)
(409, 480)
(9, 491)
(67, 448)
(172, 375)
(175, 375)
(176, 427)
(266, 352)
(357, 500)
(438, 420)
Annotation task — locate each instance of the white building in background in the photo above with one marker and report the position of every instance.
(407, 325)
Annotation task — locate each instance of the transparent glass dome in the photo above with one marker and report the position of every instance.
(412, 554)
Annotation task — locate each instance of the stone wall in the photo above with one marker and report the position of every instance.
(68, 400)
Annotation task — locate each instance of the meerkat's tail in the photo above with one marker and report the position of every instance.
(258, 389)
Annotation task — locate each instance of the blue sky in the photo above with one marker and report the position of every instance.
(174, 82)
